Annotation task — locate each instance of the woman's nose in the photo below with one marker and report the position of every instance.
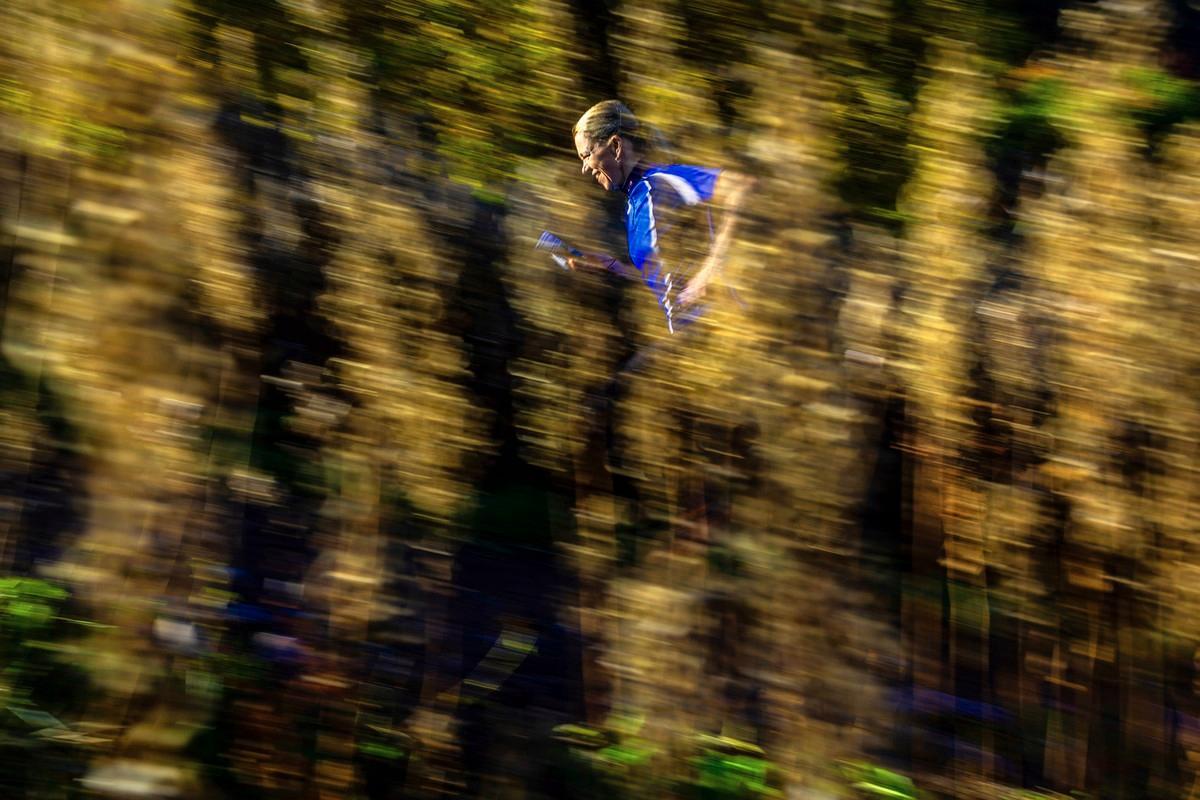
(584, 168)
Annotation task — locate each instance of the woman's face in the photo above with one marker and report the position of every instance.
(602, 160)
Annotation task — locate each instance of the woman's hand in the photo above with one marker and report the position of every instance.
(592, 261)
(694, 291)
(697, 287)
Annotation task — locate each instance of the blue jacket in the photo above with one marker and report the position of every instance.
(649, 191)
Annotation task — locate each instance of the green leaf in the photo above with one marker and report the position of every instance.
(627, 754)
(31, 587)
(380, 750)
(879, 781)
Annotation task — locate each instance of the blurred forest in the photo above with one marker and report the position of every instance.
(302, 497)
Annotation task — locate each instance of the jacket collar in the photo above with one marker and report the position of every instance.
(635, 175)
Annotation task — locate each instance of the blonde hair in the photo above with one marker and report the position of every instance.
(609, 118)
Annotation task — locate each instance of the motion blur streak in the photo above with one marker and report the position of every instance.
(313, 488)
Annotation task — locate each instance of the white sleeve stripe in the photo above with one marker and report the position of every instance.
(685, 189)
(650, 215)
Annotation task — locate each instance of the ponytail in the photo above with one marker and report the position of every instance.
(613, 118)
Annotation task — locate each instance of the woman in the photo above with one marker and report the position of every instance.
(672, 247)
(668, 219)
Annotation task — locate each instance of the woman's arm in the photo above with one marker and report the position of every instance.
(731, 192)
(600, 262)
